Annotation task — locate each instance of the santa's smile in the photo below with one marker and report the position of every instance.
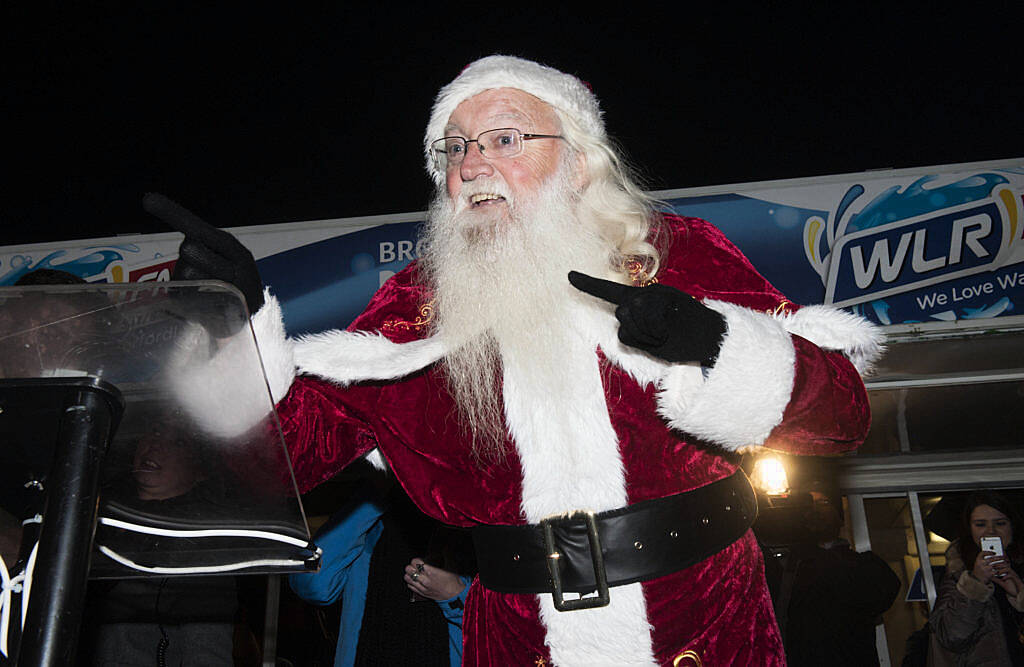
(485, 199)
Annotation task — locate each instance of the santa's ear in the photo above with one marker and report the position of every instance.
(580, 175)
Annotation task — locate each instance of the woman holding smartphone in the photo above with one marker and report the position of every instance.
(979, 612)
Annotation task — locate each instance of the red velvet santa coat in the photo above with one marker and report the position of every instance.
(634, 428)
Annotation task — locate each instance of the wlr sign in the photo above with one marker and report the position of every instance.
(904, 255)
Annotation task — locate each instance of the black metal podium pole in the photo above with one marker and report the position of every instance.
(65, 539)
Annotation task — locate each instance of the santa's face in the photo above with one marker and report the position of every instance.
(489, 186)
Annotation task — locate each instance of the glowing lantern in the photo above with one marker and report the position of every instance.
(770, 476)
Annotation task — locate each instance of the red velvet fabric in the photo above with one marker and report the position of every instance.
(719, 608)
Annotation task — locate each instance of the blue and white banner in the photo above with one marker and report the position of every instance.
(943, 243)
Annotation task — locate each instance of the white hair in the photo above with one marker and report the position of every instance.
(612, 201)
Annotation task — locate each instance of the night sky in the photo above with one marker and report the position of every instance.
(253, 116)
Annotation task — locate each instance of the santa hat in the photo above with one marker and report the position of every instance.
(562, 91)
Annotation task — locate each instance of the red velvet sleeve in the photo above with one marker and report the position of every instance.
(702, 262)
(325, 426)
(828, 409)
(322, 431)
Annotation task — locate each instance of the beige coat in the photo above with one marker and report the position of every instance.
(966, 625)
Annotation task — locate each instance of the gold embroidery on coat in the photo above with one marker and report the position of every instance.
(688, 654)
(781, 309)
(637, 273)
(426, 314)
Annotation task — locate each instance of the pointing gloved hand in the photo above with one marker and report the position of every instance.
(660, 320)
(208, 253)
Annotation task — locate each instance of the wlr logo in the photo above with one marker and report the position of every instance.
(878, 252)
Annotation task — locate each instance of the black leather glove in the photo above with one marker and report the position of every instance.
(660, 320)
(208, 253)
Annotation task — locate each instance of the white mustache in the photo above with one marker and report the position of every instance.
(477, 187)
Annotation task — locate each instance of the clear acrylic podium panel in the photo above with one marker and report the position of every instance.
(207, 495)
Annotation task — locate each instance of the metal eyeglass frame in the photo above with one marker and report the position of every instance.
(523, 136)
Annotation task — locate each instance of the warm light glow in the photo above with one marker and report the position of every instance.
(770, 476)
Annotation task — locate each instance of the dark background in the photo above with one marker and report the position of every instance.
(253, 116)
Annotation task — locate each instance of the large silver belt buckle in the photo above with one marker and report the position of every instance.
(597, 558)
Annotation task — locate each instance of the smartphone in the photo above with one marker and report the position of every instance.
(993, 544)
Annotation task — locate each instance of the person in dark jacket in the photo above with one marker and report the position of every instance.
(837, 596)
(163, 620)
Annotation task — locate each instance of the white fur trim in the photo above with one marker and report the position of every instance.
(835, 329)
(275, 349)
(344, 357)
(611, 636)
(226, 394)
(562, 91)
(563, 433)
(220, 383)
(569, 453)
(745, 394)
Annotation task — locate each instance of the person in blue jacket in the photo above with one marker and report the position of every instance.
(348, 541)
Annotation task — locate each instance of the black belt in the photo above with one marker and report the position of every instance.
(583, 552)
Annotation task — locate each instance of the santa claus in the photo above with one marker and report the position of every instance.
(573, 375)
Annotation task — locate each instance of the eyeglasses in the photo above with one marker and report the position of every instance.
(502, 142)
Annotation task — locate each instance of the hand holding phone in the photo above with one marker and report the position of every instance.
(995, 545)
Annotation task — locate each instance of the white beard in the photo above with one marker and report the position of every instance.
(501, 291)
(523, 364)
